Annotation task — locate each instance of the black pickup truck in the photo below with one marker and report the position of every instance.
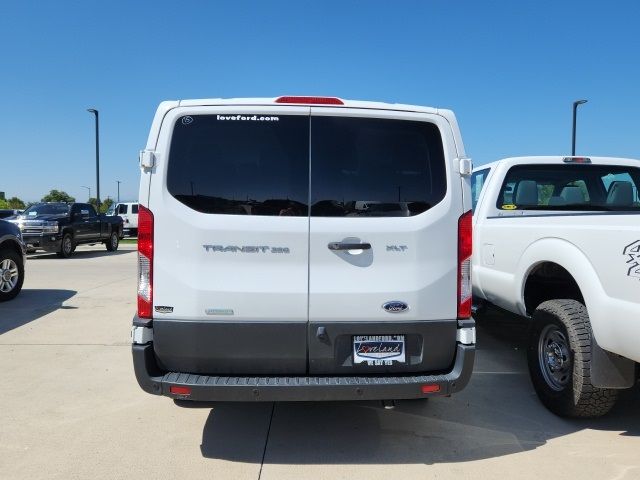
(60, 227)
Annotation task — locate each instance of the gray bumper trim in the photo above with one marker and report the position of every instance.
(297, 388)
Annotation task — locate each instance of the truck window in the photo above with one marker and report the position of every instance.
(241, 164)
(477, 182)
(584, 187)
(89, 209)
(370, 167)
(134, 209)
(122, 209)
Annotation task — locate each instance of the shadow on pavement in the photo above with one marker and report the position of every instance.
(497, 414)
(30, 305)
(77, 254)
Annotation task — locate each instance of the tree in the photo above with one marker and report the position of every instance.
(13, 203)
(104, 205)
(16, 203)
(58, 196)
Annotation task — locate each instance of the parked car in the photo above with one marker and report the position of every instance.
(12, 260)
(5, 212)
(262, 276)
(128, 211)
(61, 227)
(557, 241)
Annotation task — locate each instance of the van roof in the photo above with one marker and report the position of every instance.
(264, 101)
(168, 105)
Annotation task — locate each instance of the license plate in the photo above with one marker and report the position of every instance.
(378, 349)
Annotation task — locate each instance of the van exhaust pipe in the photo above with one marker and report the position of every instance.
(389, 404)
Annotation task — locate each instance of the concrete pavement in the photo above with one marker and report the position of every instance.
(70, 407)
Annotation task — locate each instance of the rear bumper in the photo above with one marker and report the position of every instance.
(299, 388)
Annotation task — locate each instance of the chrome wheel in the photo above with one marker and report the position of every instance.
(554, 357)
(9, 275)
(114, 241)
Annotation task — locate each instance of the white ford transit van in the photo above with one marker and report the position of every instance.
(303, 248)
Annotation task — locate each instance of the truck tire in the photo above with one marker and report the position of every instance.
(66, 246)
(559, 358)
(11, 274)
(113, 242)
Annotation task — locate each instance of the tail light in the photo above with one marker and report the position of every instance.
(464, 265)
(310, 100)
(145, 262)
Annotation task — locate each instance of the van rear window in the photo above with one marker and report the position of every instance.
(585, 187)
(255, 165)
(232, 164)
(371, 167)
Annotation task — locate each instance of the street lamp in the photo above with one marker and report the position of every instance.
(573, 136)
(118, 182)
(88, 188)
(95, 112)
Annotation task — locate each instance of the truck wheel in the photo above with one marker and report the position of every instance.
(11, 274)
(112, 243)
(66, 246)
(559, 357)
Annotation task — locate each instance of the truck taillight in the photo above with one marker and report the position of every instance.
(464, 265)
(145, 262)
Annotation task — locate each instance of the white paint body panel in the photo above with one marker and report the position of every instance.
(258, 286)
(276, 287)
(354, 287)
(589, 246)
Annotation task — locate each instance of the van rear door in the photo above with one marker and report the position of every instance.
(230, 207)
(383, 242)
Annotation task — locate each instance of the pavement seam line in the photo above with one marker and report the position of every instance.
(266, 441)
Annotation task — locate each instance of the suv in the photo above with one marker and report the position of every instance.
(303, 248)
(12, 259)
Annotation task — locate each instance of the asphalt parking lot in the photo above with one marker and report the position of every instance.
(70, 407)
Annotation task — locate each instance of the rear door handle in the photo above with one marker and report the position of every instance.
(349, 246)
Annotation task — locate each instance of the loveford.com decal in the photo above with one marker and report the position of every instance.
(247, 118)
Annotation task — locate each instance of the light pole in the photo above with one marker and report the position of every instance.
(88, 188)
(95, 112)
(573, 135)
(118, 182)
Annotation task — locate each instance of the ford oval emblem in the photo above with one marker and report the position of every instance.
(395, 306)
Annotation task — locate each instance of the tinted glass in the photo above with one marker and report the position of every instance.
(134, 209)
(241, 164)
(363, 167)
(91, 209)
(122, 209)
(571, 187)
(47, 209)
(477, 182)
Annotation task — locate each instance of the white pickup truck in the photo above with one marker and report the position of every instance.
(557, 240)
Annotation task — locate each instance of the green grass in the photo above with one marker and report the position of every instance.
(129, 240)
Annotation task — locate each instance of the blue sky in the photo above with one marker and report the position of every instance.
(509, 69)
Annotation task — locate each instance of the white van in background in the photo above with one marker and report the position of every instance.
(129, 213)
